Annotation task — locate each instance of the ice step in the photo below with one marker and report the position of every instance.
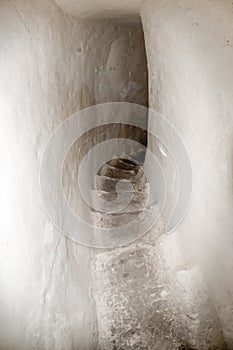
(109, 184)
(112, 220)
(110, 196)
(127, 202)
(115, 232)
(116, 172)
(124, 164)
(109, 220)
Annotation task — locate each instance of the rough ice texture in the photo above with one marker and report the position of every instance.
(140, 307)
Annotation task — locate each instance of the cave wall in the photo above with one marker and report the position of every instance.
(51, 65)
(189, 50)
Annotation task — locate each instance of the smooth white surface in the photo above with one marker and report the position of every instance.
(51, 65)
(190, 52)
(42, 304)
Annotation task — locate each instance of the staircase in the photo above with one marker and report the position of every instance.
(121, 171)
(136, 291)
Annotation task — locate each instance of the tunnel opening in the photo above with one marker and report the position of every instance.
(125, 77)
(127, 73)
(118, 73)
